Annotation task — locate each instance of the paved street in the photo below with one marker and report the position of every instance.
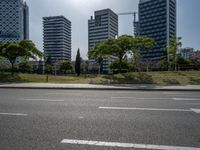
(99, 120)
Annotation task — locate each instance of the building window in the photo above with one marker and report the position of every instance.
(98, 21)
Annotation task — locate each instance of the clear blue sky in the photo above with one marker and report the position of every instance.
(189, 22)
(79, 11)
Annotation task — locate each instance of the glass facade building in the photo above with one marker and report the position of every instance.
(14, 20)
(157, 20)
(57, 38)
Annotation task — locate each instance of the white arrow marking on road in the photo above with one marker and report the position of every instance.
(13, 114)
(126, 145)
(186, 99)
(152, 109)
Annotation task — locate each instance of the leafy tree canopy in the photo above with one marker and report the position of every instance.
(24, 49)
(120, 48)
(65, 66)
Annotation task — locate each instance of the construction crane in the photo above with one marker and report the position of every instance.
(134, 20)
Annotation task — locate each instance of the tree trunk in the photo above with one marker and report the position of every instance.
(148, 62)
(99, 71)
(12, 69)
(175, 64)
(120, 65)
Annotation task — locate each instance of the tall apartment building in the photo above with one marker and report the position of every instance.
(103, 26)
(157, 20)
(57, 38)
(14, 20)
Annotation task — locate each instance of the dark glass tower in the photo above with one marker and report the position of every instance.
(157, 20)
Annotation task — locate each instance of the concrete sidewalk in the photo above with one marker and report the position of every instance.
(146, 87)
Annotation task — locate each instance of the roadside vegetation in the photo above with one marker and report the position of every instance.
(129, 66)
(162, 78)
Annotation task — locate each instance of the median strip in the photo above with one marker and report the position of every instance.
(125, 145)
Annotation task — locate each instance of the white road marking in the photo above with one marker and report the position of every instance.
(73, 94)
(186, 99)
(140, 98)
(196, 110)
(126, 145)
(147, 109)
(47, 100)
(152, 109)
(175, 93)
(13, 114)
(80, 117)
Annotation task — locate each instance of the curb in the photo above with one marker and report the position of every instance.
(100, 89)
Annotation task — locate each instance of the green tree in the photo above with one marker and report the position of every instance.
(11, 51)
(99, 53)
(125, 66)
(121, 48)
(78, 63)
(23, 49)
(174, 44)
(146, 44)
(113, 47)
(65, 66)
(29, 50)
(25, 67)
(48, 69)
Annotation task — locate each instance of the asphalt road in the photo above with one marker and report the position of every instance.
(51, 119)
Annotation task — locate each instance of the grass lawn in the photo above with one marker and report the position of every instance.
(163, 78)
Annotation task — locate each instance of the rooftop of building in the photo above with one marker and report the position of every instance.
(144, 1)
(98, 12)
(56, 17)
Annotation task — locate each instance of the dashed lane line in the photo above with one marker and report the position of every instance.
(126, 145)
(186, 99)
(152, 109)
(13, 114)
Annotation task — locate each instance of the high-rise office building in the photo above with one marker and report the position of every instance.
(102, 27)
(157, 20)
(14, 20)
(57, 38)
